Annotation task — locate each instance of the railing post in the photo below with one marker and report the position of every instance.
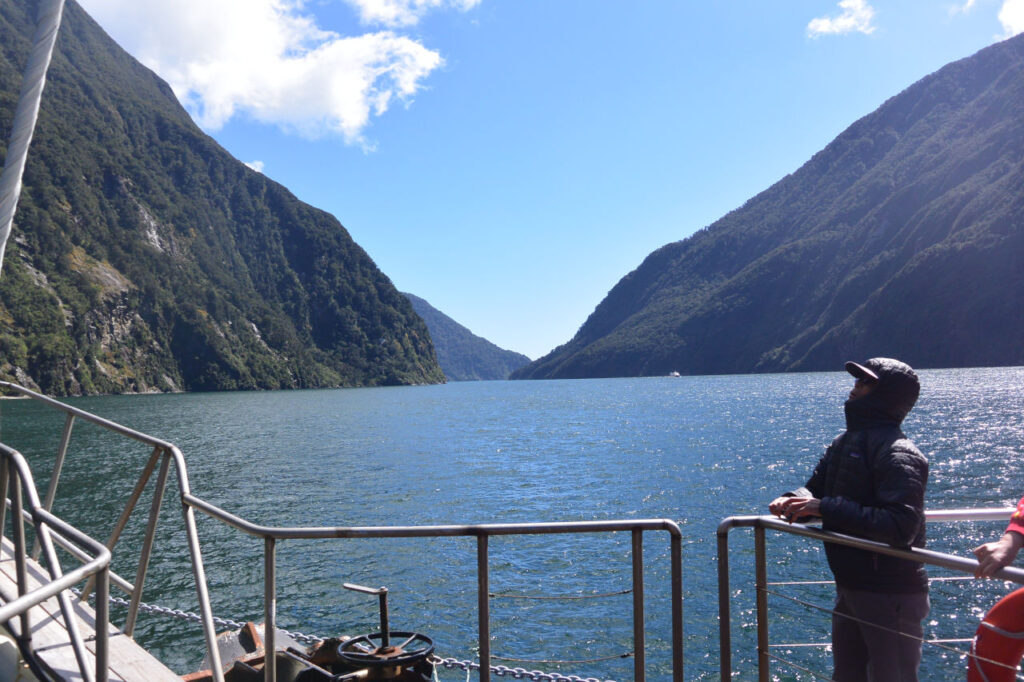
(483, 606)
(147, 545)
(5, 472)
(51, 490)
(53, 568)
(269, 610)
(205, 610)
(198, 571)
(126, 514)
(677, 606)
(639, 664)
(761, 587)
(103, 624)
(18, 536)
(724, 615)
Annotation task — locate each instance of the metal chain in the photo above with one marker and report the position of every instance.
(196, 618)
(516, 673)
(449, 663)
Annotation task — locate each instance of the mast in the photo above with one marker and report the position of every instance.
(47, 24)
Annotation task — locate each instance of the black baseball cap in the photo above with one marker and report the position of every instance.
(860, 371)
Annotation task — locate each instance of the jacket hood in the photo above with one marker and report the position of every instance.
(888, 403)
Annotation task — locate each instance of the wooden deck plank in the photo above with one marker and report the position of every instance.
(129, 662)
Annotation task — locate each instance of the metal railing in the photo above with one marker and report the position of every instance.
(16, 480)
(760, 524)
(482, 533)
(166, 453)
(15, 474)
(162, 452)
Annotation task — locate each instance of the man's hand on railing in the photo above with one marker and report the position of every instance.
(796, 509)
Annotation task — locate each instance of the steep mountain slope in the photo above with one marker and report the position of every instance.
(463, 355)
(903, 237)
(144, 257)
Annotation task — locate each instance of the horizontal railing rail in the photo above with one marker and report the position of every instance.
(16, 481)
(762, 523)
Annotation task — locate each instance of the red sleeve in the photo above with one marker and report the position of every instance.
(1017, 520)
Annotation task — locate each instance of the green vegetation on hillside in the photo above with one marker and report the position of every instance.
(903, 237)
(463, 355)
(144, 257)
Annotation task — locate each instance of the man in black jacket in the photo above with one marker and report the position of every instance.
(870, 483)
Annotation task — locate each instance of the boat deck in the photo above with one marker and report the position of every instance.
(129, 662)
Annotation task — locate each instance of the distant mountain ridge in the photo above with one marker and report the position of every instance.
(463, 355)
(145, 258)
(903, 237)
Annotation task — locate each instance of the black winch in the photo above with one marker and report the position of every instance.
(385, 655)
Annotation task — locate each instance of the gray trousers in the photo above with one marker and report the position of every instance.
(864, 646)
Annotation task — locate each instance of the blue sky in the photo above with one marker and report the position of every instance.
(510, 160)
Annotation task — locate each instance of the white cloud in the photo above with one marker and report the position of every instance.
(856, 16)
(403, 12)
(268, 59)
(1011, 16)
(255, 165)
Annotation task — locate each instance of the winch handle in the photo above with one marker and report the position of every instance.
(382, 593)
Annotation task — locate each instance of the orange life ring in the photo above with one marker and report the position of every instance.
(999, 642)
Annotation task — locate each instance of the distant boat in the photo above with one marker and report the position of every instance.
(674, 374)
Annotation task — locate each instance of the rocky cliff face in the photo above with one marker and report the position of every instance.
(145, 258)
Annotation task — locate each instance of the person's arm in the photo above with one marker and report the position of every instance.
(1017, 519)
(801, 505)
(992, 556)
(799, 509)
(897, 514)
(795, 507)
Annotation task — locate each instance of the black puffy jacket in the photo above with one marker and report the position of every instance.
(871, 483)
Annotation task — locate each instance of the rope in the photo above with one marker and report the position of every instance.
(999, 664)
(791, 664)
(1000, 631)
(497, 595)
(938, 643)
(626, 654)
(939, 579)
(26, 114)
(933, 642)
(991, 661)
(803, 582)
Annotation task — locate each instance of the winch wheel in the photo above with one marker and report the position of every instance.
(366, 651)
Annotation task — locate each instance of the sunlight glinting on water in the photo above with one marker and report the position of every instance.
(691, 449)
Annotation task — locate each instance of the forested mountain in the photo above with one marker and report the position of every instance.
(463, 355)
(903, 237)
(145, 258)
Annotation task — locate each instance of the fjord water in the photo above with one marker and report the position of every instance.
(691, 449)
